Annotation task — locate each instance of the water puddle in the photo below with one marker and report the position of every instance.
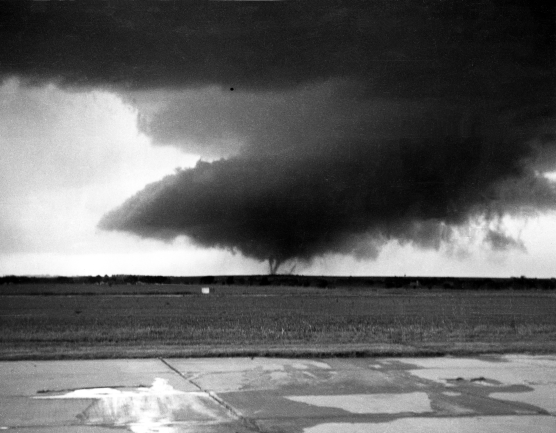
(413, 402)
(144, 409)
(541, 396)
(490, 424)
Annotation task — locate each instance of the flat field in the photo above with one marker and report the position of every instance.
(87, 321)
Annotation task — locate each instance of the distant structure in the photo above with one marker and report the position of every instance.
(205, 290)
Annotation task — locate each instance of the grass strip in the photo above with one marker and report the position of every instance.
(290, 351)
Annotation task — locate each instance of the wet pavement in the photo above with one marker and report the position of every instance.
(508, 393)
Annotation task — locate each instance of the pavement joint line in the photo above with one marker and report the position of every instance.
(247, 422)
(179, 373)
(229, 408)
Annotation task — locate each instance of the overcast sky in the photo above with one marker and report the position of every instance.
(346, 138)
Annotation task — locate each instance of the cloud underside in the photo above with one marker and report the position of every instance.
(425, 49)
(277, 208)
(349, 125)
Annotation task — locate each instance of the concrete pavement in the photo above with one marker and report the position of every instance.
(510, 393)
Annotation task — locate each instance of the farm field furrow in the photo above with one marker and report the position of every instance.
(232, 319)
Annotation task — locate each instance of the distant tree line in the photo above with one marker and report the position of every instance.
(322, 282)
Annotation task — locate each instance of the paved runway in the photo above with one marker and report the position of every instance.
(511, 393)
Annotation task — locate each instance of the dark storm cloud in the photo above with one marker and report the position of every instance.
(277, 207)
(371, 120)
(430, 48)
(208, 121)
(501, 242)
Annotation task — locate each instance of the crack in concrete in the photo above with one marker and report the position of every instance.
(246, 421)
(179, 373)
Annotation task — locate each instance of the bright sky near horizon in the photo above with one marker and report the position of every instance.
(70, 157)
(317, 171)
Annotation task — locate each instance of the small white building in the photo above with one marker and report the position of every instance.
(205, 290)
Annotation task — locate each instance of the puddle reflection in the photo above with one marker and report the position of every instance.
(142, 409)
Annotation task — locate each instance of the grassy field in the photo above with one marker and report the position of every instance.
(83, 321)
